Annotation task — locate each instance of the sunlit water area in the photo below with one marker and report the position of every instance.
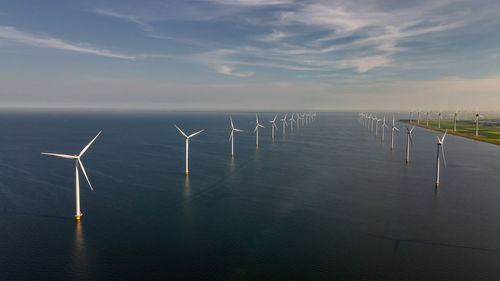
(328, 201)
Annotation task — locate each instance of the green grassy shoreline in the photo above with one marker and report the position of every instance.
(489, 130)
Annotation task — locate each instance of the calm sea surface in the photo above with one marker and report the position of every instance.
(327, 202)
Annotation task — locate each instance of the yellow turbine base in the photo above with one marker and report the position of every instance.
(406, 161)
(77, 217)
(187, 173)
(437, 185)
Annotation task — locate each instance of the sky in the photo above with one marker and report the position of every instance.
(251, 54)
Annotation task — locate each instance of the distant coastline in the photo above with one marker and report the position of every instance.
(445, 125)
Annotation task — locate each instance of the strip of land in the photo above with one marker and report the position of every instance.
(489, 129)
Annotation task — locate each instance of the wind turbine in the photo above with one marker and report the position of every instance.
(439, 119)
(476, 116)
(256, 130)
(284, 123)
(440, 147)
(384, 125)
(78, 163)
(455, 117)
(298, 120)
(427, 118)
(273, 125)
(231, 137)
(291, 122)
(187, 145)
(418, 117)
(409, 138)
(303, 117)
(376, 125)
(392, 133)
(410, 116)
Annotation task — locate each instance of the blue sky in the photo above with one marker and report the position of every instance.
(251, 54)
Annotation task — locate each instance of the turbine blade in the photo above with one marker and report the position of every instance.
(231, 135)
(88, 145)
(444, 136)
(192, 135)
(256, 127)
(261, 126)
(396, 129)
(181, 131)
(85, 173)
(238, 130)
(60, 155)
(232, 125)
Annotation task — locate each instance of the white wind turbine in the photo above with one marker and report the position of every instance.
(292, 120)
(427, 118)
(273, 125)
(78, 163)
(303, 117)
(187, 145)
(231, 137)
(376, 125)
(409, 138)
(384, 125)
(439, 119)
(284, 124)
(298, 120)
(455, 118)
(440, 147)
(476, 116)
(256, 130)
(418, 117)
(410, 116)
(392, 132)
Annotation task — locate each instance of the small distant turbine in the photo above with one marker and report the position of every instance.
(284, 124)
(439, 119)
(392, 132)
(78, 163)
(256, 130)
(409, 138)
(418, 117)
(384, 125)
(427, 118)
(298, 120)
(376, 125)
(187, 145)
(455, 118)
(273, 125)
(410, 116)
(292, 120)
(476, 116)
(231, 137)
(440, 147)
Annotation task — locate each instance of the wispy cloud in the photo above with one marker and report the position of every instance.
(229, 71)
(252, 2)
(12, 34)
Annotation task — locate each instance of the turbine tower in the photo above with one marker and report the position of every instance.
(418, 117)
(376, 125)
(78, 163)
(187, 145)
(440, 147)
(392, 132)
(427, 118)
(256, 130)
(231, 137)
(409, 138)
